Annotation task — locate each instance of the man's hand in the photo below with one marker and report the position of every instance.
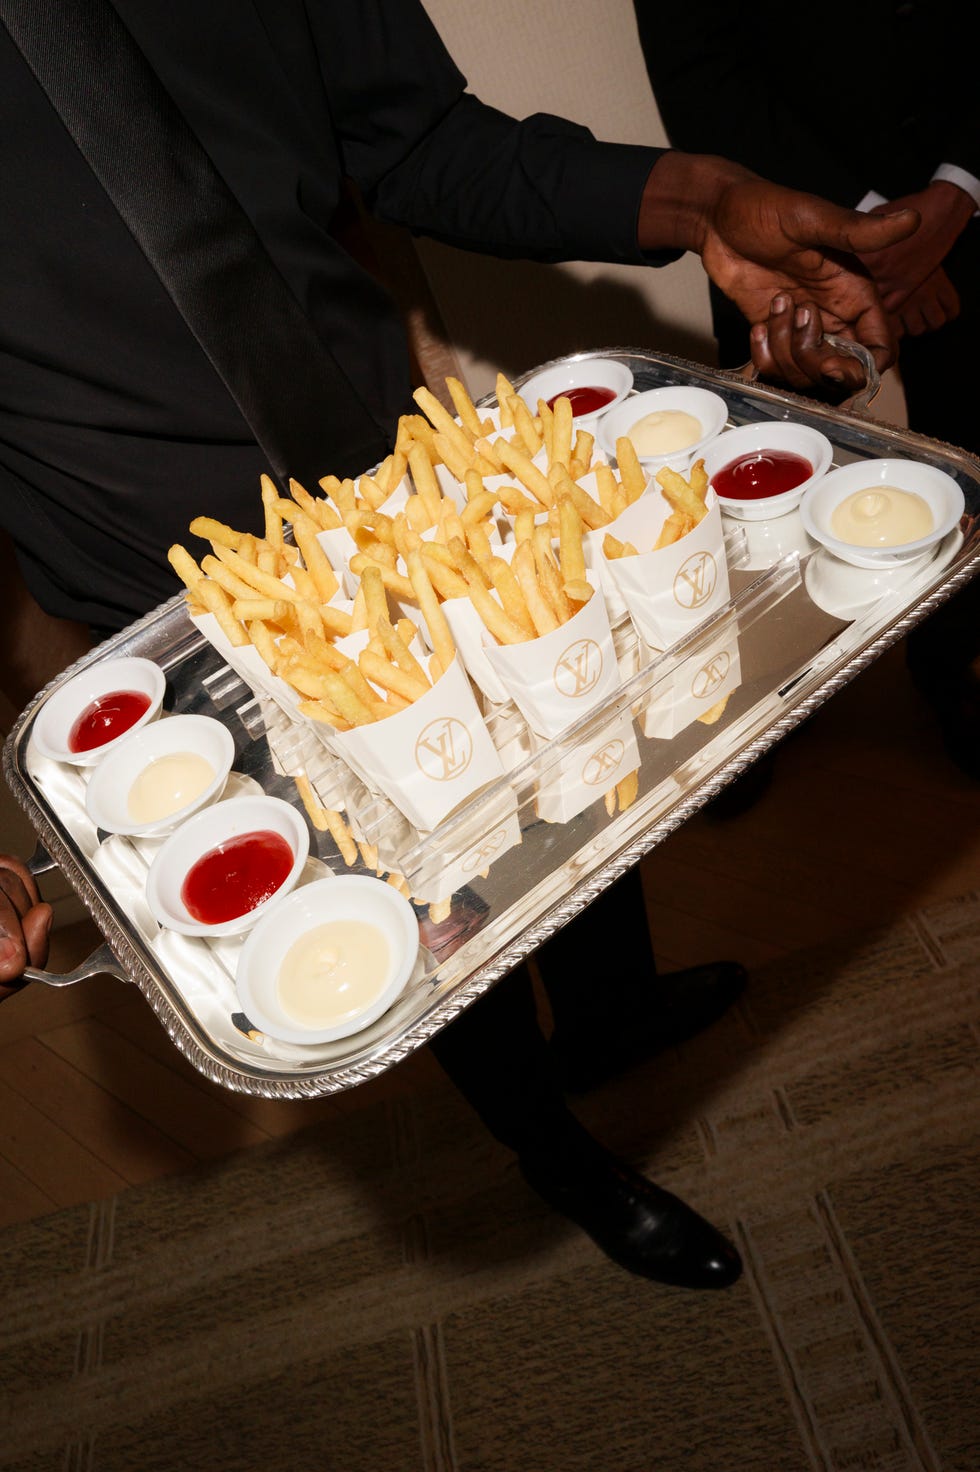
(899, 269)
(760, 242)
(25, 923)
(928, 307)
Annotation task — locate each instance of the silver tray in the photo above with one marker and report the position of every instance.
(803, 629)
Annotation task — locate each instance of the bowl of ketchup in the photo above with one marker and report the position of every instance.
(593, 385)
(83, 719)
(224, 868)
(763, 470)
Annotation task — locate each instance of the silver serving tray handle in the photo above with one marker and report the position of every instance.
(101, 961)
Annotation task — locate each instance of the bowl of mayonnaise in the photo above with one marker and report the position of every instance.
(666, 426)
(157, 777)
(879, 513)
(331, 959)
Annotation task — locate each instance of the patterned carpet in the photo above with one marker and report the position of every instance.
(390, 1297)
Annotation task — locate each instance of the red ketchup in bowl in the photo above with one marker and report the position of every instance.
(234, 877)
(106, 718)
(584, 400)
(761, 474)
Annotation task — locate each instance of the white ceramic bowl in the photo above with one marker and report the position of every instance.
(66, 704)
(211, 829)
(355, 897)
(757, 440)
(936, 487)
(709, 409)
(595, 372)
(107, 796)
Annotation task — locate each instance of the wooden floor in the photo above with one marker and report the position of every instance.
(866, 820)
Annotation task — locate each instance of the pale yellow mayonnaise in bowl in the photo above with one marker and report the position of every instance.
(880, 513)
(331, 959)
(667, 426)
(159, 776)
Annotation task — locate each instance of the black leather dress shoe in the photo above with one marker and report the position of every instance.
(670, 1010)
(643, 1228)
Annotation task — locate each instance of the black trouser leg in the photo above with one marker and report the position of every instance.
(595, 966)
(496, 1055)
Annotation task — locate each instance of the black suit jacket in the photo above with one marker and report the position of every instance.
(114, 428)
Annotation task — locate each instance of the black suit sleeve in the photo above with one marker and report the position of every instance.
(429, 156)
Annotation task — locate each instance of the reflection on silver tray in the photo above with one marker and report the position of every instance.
(794, 631)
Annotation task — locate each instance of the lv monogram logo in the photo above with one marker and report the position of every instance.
(482, 857)
(578, 669)
(603, 762)
(695, 579)
(443, 749)
(710, 675)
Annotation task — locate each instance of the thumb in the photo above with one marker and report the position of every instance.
(869, 232)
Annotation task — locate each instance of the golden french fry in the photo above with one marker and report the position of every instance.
(542, 614)
(514, 500)
(465, 407)
(375, 597)
(679, 494)
(439, 911)
(505, 392)
(612, 497)
(270, 610)
(315, 559)
(581, 460)
(478, 541)
(715, 712)
(500, 625)
(479, 506)
(561, 432)
(699, 480)
(525, 426)
(216, 532)
(396, 647)
(593, 515)
(424, 479)
(677, 525)
(442, 421)
(273, 518)
(627, 788)
(446, 579)
(546, 417)
(524, 524)
(341, 835)
(324, 712)
(578, 591)
(315, 811)
(393, 580)
(549, 575)
(341, 493)
(338, 622)
(440, 635)
(218, 602)
(350, 705)
(382, 671)
(530, 477)
(633, 477)
(509, 592)
(214, 568)
(613, 547)
(571, 557)
(256, 579)
(263, 640)
(184, 565)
